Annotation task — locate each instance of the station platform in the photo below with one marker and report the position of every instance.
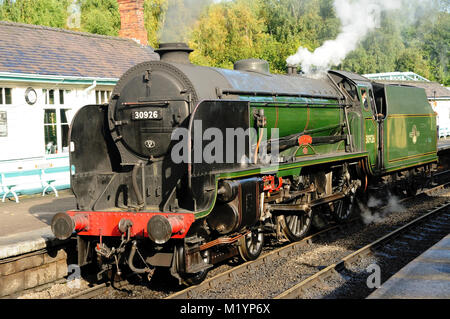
(25, 226)
(426, 277)
(443, 145)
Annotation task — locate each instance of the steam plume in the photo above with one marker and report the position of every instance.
(372, 212)
(180, 16)
(357, 18)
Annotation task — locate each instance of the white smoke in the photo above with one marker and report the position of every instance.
(374, 202)
(358, 18)
(393, 206)
(180, 17)
(74, 15)
(374, 213)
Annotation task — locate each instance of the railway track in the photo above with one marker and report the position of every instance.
(266, 258)
(90, 292)
(248, 266)
(216, 280)
(98, 290)
(318, 278)
(284, 251)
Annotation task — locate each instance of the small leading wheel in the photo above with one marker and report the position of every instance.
(196, 278)
(251, 245)
(296, 226)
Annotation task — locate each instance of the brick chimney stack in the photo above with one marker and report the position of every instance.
(132, 20)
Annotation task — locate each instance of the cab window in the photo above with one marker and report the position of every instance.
(365, 99)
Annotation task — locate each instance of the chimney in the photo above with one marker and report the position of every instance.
(174, 52)
(132, 20)
(291, 70)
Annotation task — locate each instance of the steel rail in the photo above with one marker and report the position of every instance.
(88, 293)
(96, 290)
(298, 289)
(216, 280)
(269, 257)
(280, 252)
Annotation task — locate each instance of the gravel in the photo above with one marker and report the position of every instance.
(269, 280)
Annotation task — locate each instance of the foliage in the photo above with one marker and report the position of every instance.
(409, 40)
(154, 14)
(222, 32)
(52, 13)
(294, 23)
(227, 32)
(100, 17)
(436, 43)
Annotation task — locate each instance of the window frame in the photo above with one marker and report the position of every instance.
(4, 96)
(102, 96)
(58, 106)
(365, 103)
(50, 125)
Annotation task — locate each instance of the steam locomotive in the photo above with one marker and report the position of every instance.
(188, 165)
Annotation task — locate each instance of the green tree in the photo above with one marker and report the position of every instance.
(437, 44)
(382, 48)
(412, 60)
(415, 38)
(231, 31)
(52, 13)
(396, 46)
(100, 17)
(179, 17)
(154, 13)
(294, 23)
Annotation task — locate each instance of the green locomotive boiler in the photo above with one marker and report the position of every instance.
(189, 165)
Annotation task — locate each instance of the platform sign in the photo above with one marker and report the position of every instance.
(3, 124)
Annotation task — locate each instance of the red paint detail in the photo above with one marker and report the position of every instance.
(107, 223)
(176, 223)
(269, 183)
(81, 222)
(304, 140)
(280, 183)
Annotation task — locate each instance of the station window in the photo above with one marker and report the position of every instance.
(50, 131)
(56, 130)
(5, 96)
(64, 115)
(61, 97)
(102, 96)
(49, 96)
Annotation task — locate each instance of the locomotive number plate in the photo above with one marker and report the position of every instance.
(144, 114)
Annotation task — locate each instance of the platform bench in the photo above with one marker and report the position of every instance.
(13, 181)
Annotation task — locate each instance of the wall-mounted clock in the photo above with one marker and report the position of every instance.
(30, 96)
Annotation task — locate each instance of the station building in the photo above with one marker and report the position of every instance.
(438, 95)
(46, 75)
